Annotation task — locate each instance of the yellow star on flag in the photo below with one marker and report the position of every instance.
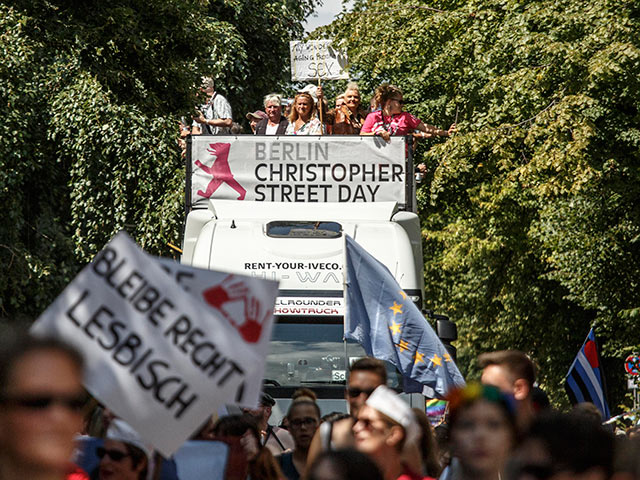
(395, 327)
(404, 295)
(403, 345)
(447, 357)
(419, 357)
(437, 360)
(396, 308)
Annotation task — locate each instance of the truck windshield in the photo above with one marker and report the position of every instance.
(287, 229)
(313, 354)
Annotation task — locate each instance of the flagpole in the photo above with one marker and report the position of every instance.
(344, 301)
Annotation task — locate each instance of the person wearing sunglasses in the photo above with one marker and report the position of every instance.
(41, 402)
(386, 429)
(365, 375)
(124, 456)
(391, 119)
(304, 418)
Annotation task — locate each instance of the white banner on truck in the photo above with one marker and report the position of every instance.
(159, 360)
(298, 169)
(317, 59)
(245, 302)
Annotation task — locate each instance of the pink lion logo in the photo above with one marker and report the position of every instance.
(220, 171)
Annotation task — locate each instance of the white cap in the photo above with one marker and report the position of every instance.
(311, 89)
(389, 403)
(121, 431)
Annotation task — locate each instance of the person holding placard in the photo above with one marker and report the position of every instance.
(303, 119)
(392, 120)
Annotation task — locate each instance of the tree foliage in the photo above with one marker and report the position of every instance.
(90, 98)
(530, 214)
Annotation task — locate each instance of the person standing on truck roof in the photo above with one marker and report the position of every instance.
(275, 123)
(255, 118)
(303, 119)
(214, 117)
(392, 120)
(365, 375)
(304, 418)
(346, 119)
(276, 439)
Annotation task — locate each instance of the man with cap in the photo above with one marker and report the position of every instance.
(384, 428)
(254, 118)
(124, 455)
(276, 439)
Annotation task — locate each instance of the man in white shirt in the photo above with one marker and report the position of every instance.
(215, 116)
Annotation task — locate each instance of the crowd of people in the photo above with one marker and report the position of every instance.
(308, 113)
(495, 429)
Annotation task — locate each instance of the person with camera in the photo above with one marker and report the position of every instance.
(214, 117)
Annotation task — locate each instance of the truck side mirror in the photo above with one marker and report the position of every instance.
(447, 332)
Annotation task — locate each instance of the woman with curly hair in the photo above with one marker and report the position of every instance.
(390, 120)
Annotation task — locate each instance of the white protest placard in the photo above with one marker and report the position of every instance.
(317, 60)
(298, 169)
(159, 360)
(245, 302)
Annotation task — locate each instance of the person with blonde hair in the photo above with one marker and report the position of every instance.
(392, 120)
(303, 119)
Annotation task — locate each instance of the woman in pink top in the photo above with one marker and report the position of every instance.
(390, 120)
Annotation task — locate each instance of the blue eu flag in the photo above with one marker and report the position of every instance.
(389, 326)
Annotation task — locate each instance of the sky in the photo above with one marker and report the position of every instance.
(325, 14)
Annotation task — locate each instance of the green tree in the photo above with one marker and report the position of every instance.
(91, 95)
(258, 55)
(529, 214)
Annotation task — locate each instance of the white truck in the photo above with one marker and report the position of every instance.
(278, 208)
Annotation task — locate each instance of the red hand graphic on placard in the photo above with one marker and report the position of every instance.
(230, 290)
